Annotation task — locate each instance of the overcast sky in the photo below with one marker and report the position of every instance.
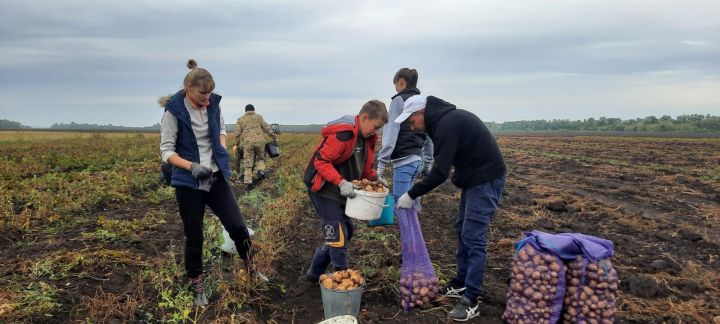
(106, 62)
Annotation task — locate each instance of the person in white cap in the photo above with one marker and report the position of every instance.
(461, 140)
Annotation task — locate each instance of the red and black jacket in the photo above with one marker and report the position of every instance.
(336, 146)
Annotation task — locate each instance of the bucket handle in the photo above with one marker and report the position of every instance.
(379, 205)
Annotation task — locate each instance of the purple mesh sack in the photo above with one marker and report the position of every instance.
(418, 283)
(591, 282)
(537, 284)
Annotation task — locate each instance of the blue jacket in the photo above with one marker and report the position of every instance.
(186, 144)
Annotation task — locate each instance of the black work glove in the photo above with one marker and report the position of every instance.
(200, 171)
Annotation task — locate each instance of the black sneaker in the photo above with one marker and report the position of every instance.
(452, 291)
(464, 310)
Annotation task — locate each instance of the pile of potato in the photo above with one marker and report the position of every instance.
(342, 280)
(535, 294)
(590, 298)
(370, 186)
(417, 289)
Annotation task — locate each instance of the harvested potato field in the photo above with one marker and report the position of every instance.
(90, 234)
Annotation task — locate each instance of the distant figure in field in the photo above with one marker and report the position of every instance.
(249, 136)
(192, 140)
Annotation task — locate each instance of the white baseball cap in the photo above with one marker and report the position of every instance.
(412, 105)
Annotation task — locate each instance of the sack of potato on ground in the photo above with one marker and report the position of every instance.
(565, 277)
(419, 285)
(591, 291)
(342, 280)
(537, 285)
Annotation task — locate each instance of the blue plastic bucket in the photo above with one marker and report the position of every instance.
(387, 216)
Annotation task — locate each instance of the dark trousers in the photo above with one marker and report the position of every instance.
(476, 210)
(337, 229)
(221, 201)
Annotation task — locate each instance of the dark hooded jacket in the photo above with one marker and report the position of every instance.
(461, 141)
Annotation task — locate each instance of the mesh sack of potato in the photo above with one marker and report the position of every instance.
(342, 280)
(537, 285)
(592, 281)
(419, 285)
(591, 292)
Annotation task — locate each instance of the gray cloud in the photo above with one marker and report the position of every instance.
(107, 61)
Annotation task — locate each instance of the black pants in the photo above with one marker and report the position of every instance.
(221, 200)
(337, 228)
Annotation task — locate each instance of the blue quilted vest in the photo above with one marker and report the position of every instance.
(186, 144)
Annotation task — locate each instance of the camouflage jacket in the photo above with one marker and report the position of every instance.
(250, 128)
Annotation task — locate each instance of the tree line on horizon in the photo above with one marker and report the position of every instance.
(694, 123)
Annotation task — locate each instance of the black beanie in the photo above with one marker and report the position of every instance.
(249, 107)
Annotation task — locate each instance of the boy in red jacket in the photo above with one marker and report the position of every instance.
(345, 153)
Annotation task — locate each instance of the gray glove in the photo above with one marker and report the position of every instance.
(381, 180)
(426, 167)
(346, 189)
(200, 171)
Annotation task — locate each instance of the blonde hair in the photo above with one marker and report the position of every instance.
(198, 77)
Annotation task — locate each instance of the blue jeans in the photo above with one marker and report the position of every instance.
(403, 177)
(476, 210)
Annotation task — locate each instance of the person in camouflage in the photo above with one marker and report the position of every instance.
(249, 135)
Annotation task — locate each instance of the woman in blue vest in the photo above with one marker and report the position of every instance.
(192, 140)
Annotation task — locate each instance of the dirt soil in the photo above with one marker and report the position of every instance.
(655, 199)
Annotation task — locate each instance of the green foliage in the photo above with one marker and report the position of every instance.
(9, 124)
(685, 123)
(39, 298)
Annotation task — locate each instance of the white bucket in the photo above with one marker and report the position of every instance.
(227, 244)
(344, 319)
(366, 205)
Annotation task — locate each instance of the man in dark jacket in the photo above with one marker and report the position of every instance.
(462, 141)
(345, 153)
